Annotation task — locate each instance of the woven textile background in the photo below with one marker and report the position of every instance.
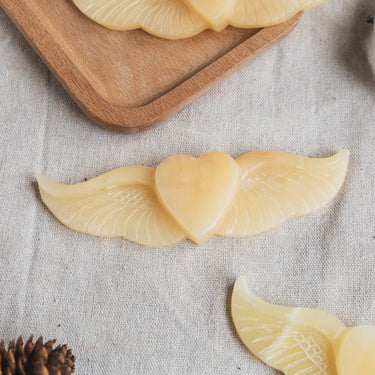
(128, 309)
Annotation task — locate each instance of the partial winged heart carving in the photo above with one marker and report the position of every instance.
(176, 19)
(301, 341)
(193, 198)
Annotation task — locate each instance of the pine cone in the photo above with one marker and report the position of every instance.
(35, 359)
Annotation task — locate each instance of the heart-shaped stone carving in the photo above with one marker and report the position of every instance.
(197, 192)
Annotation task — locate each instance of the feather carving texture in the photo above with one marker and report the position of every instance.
(164, 18)
(301, 341)
(276, 186)
(121, 203)
(175, 19)
(194, 198)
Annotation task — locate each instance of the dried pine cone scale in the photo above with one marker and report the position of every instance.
(35, 358)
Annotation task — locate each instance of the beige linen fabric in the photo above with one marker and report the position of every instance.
(128, 309)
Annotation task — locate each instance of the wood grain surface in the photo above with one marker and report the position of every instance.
(129, 81)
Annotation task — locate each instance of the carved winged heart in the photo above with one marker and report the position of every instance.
(197, 198)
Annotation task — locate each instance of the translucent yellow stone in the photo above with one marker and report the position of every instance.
(197, 192)
(275, 186)
(216, 13)
(260, 13)
(300, 340)
(175, 19)
(171, 19)
(196, 198)
(121, 203)
(357, 352)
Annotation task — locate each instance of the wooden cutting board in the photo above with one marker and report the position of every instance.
(129, 81)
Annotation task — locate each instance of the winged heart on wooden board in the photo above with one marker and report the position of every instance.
(175, 19)
(196, 198)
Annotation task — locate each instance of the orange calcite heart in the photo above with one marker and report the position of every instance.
(357, 352)
(197, 192)
(216, 13)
